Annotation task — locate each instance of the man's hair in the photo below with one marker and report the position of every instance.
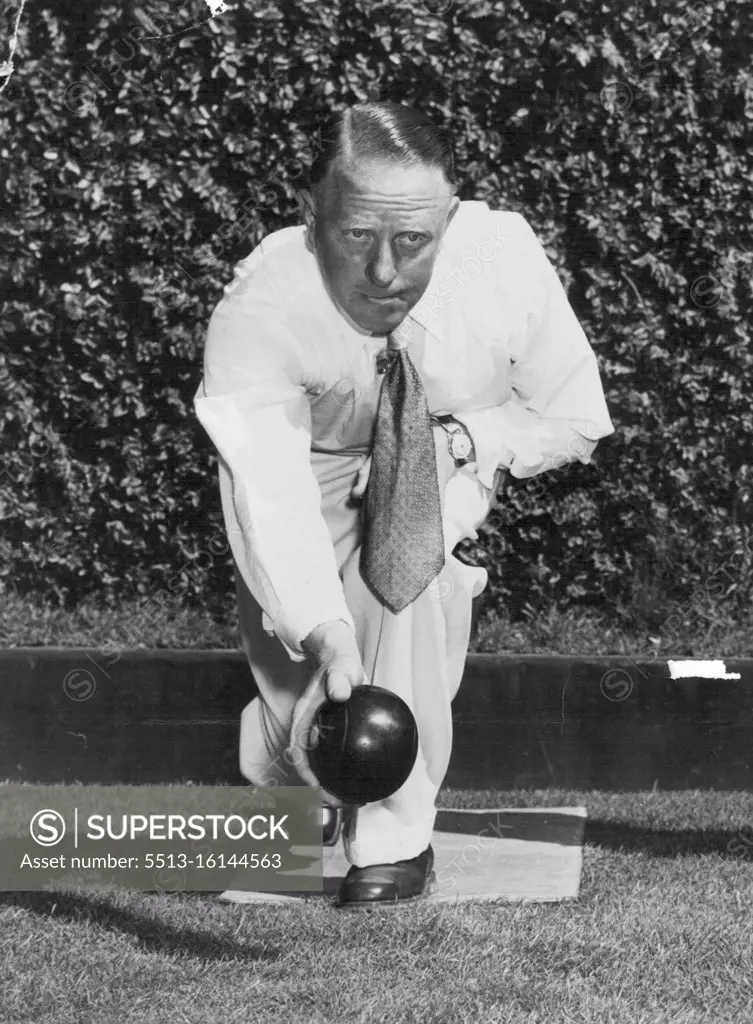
(387, 130)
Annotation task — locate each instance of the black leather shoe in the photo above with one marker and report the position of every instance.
(387, 883)
(332, 822)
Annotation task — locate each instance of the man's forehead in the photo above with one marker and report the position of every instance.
(381, 183)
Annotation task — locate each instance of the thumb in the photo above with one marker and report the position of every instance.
(338, 685)
(359, 488)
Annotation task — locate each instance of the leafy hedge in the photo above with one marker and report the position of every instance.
(145, 150)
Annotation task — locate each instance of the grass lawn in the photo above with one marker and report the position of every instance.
(661, 934)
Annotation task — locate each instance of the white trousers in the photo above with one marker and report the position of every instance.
(418, 654)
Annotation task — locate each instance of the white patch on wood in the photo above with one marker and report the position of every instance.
(700, 670)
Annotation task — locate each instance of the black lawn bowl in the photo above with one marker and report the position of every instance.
(363, 749)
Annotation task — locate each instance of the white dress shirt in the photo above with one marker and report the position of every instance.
(496, 344)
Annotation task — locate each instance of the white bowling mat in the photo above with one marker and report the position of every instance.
(509, 854)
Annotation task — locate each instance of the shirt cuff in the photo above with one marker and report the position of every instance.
(520, 440)
(292, 638)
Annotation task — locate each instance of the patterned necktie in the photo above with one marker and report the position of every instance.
(403, 548)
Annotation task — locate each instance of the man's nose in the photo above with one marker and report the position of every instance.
(381, 269)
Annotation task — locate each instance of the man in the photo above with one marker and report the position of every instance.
(325, 359)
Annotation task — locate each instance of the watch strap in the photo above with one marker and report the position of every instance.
(452, 426)
(445, 419)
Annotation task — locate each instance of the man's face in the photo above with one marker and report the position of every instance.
(375, 227)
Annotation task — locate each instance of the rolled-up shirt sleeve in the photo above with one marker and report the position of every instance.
(557, 411)
(253, 404)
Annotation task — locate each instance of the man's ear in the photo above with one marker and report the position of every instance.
(454, 207)
(307, 207)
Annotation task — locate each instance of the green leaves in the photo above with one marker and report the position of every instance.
(137, 172)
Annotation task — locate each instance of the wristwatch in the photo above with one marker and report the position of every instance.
(459, 440)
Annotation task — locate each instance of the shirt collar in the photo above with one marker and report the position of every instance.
(427, 318)
(428, 310)
(427, 313)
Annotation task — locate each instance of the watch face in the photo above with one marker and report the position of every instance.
(461, 446)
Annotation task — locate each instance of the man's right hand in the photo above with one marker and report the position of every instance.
(333, 648)
(362, 481)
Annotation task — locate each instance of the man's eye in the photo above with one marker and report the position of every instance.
(357, 234)
(412, 238)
